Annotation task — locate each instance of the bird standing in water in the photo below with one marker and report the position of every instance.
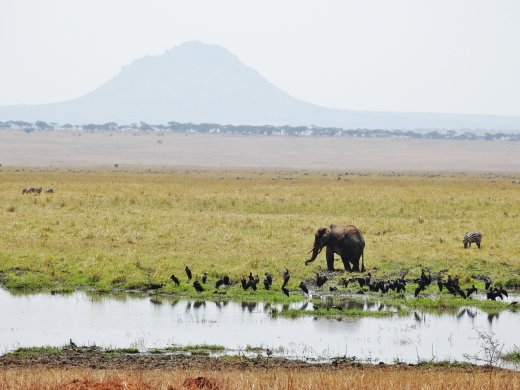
(304, 288)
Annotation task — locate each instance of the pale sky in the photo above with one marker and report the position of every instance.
(406, 55)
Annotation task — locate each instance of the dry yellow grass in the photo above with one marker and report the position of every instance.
(365, 377)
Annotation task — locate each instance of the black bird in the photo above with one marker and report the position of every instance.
(471, 290)
(245, 283)
(494, 294)
(461, 293)
(267, 285)
(285, 291)
(345, 282)
(252, 284)
(198, 286)
(251, 277)
(269, 278)
(456, 282)
(503, 292)
(72, 344)
(361, 282)
(188, 272)
(419, 289)
(175, 280)
(440, 283)
(427, 280)
(320, 280)
(333, 288)
(219, 283)
(155, 286)
(304, 288)
(226, 280)
(204, 278)
(286, 277)
(487, 283)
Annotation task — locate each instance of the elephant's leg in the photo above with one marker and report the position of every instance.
(330, 258)
(346, 263)
(478, 244)
(355, 265)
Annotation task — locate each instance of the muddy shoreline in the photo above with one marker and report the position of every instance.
(95, 358)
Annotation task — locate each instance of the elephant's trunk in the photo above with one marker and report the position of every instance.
(315, 252)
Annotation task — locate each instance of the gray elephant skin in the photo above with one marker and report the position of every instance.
(346, 241)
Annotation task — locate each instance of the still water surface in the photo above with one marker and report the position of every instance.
(156, 322)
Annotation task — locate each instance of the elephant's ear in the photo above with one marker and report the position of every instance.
(324, 235)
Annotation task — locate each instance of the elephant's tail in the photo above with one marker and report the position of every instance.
(362, 261)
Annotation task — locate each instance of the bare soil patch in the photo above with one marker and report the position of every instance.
(82, 149)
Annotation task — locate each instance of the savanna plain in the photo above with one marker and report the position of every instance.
(114, 230)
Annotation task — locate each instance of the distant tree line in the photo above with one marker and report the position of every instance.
(296, 131)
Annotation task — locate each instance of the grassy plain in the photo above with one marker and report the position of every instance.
(113, 229)
(389, 377)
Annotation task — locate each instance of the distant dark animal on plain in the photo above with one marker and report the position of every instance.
(304, 288)
(204, 278)
(49, 191)
(188, 272)
(333, 288)
(175, 280)
(472, 237)
(198, 286)
(285, 291)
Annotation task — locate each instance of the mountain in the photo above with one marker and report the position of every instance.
(201, 83)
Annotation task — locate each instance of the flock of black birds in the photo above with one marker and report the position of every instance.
(451, 284)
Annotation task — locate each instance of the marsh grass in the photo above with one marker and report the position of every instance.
(119, 230)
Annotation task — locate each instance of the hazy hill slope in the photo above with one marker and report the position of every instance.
(200, 83)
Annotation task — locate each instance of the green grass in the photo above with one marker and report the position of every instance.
(443, 363)
(198, 349)
(35, 351)
(512, 356)
(122, 351)
(124, 230)
(334, 313)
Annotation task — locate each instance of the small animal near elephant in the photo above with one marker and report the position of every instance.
(346, 241)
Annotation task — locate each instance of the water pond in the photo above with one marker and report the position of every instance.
(146, 322)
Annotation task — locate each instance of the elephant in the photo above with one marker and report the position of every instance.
(346, 241)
